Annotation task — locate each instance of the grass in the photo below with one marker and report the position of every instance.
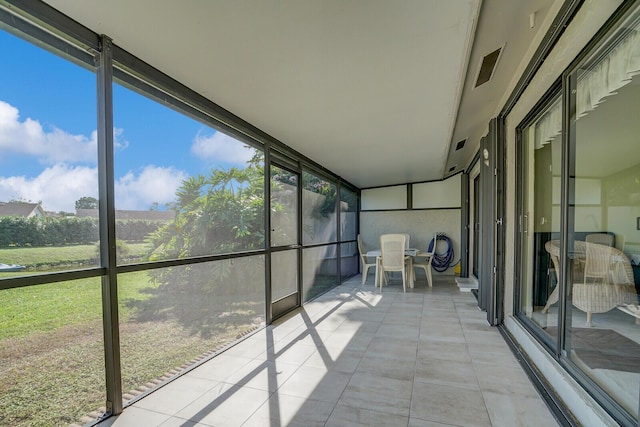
(42, 308)
(33, 309)
(35, 258)
(51, 343)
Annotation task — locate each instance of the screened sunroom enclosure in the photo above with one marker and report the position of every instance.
(170, 261)
(171, 208)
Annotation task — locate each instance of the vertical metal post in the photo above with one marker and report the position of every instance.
(268, 313)
(464, 226)
(299, 243)
(567, 211)
(500, 218)
(107, 227)
(639, 412)
(485, 252)
(339, 231)
(490, 290)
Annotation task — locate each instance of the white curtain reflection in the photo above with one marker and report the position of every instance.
(549, 126)
(612, 72)
(601, 80)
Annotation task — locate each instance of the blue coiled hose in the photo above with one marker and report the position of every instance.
(441, 260)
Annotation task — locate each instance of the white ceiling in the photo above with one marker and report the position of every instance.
(377, 91)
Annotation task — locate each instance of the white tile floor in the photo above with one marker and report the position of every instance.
(358, 357)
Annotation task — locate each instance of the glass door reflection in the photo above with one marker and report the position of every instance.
(540, 164)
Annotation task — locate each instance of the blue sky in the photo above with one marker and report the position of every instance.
(48, 136)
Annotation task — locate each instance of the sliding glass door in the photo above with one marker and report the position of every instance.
(603, 315)
(539, 220)
(579, 219)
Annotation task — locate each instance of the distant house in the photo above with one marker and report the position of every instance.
(131, 215)
(21, 209)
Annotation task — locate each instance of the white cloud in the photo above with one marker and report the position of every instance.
(28, 137)
(53, 146)
(59, 186)
(222, 148)
(153, 184)
(118, 141)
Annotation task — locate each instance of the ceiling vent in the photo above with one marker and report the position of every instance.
(488, 67)
(460, 144)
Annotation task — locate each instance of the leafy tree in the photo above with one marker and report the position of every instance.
(216, 214)
(219, 213)
(87, 202)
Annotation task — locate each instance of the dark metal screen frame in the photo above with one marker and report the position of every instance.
(292, 301)
(107, 220)
(44, 26)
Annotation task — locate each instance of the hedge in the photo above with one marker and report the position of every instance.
(20, 231)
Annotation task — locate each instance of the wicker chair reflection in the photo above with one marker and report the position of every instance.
(600, 238)
(605, 283)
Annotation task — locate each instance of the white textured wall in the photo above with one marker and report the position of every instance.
(421, 225)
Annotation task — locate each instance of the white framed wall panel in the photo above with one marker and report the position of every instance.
(384, 198)
(437, 194)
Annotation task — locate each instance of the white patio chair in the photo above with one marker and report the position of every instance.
(425, 265)
(392, 258)
(407, 241)
(364, 258)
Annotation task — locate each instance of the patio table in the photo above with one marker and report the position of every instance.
(411, 252)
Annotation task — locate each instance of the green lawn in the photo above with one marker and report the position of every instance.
(51, 340)
(41, 308)
(47, 307)
(51, 351)
(33, 258)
